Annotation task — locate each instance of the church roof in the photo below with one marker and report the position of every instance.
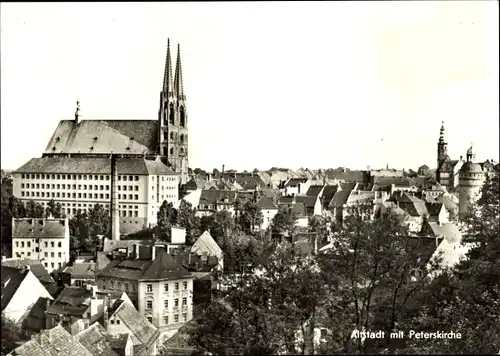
(96, 165)
(104, 137)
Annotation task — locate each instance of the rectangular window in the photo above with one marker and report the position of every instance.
(176, 302)
(149, 288)
(149, 304)
(28, 243)
(118, 285)
(150, 319)
(59, 254)
(184, 301)
(46, 244)
(185, 285)
(52, 254)
(184, 317)
(176, 318)
(165, 319)
(124, 178)
(59, 244)
(52, 244)
(176, 285)
(165, 303)
(22, 243)
(165, 287)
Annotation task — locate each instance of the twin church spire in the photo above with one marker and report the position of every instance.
(173, 84)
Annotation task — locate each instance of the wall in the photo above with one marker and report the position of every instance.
(26, 295)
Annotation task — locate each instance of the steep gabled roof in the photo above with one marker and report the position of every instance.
(11, 281)
(54, 342)
(266, 203)
(95, 341)
(340, 198)
(35, 266)
(205, 243)
(315, 190)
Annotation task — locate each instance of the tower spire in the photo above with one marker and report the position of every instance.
(77, 111)
(441, 133)
(178, 85)
(167, 75)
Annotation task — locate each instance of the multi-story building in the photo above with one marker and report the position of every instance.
(46, 240)
(79, 183)
(75, 167)
(158, 285)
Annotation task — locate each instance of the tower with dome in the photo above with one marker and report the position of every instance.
(471, 179)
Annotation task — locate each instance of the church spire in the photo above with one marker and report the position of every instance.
(441, 133)
(178, 85)
(167, 76)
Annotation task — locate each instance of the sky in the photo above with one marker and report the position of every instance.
(287, 84)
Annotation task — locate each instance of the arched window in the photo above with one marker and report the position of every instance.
(165, 122)
(182, 138)
(171, 114)
(183, 117)
(165, 135)
(164, 151)
(171, 150)
(181, 151)
(171, 135)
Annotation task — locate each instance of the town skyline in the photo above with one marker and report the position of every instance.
(380, 102)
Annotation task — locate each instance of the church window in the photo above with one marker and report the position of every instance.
(182, 151)
(182, 138)
(183, 117)
(171, 150)
(171, 114)
(165, 135)
(171, 135)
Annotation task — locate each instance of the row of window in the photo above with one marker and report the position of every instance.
(165, 318)
(149, 303)
(28, 244)
(77, 176)
(75, 195)
(169, 178)
(149, 287)
(163, 187)
(72, 186)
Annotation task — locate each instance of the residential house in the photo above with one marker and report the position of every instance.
(95, 340)
(296, 186)
(300, 211)
(54, 342)
(327, 195)
(268, 209)
(20, 291)
(81, 274)
(345, 175)
(205, 246)
(447, 173)
(160, 287)
(122, 344)
(35, 321)
(213, 200)
(312, 204)
(450, 204)
(35, 266)
(43, 239)
(72, 309)
(120, 318)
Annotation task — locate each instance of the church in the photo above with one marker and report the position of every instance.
(75, 168)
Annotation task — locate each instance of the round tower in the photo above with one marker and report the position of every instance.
(471, 178)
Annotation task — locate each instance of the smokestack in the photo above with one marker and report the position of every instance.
(105, 312)
(115, 218)
(222, 177)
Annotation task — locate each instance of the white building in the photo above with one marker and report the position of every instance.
(79, 183)
(46, 240)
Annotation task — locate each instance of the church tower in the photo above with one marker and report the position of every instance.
(172, 118)
(442, 151)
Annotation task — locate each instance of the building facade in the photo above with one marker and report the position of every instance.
(79, 183)
(46, 240)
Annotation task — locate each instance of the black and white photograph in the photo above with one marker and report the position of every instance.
(250, 178)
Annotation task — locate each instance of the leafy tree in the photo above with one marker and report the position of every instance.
(221, 226)
(186, 218)
(166, 218)
(322, 226)
(54, 209)
(255, 170)
(466, 299)
(98, 223)
(251, 216)
(34, 210)
(283, 222)
(378, 269)
(11, 334)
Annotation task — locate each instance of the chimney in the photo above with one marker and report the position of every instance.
(222, 176)
(105, 312)
(115, 218)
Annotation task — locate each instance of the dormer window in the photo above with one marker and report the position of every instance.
(95, 138)
(57, 139)
(91, 148)
(54, 148)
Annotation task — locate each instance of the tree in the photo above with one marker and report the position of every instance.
(54, 209)
(186, 218)
(262, 312)
(322, 226)
(466, 299)
(255, 170)
(11, 334)
(251, 216)
(166, 218)
(99, 223)
(283, 222)
(34, 210)
(378, 269)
